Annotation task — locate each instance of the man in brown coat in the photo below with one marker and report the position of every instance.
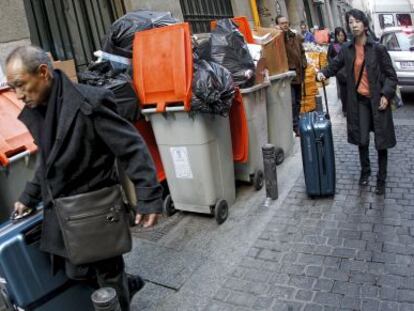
(297, 62)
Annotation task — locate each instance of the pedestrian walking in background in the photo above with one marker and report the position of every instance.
(79, 135)
(371, 84)
(322, 36)
(306, 34)
(333, 51)
(297, 62)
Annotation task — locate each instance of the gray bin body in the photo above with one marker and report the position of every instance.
(13, 180)
(279, 112)
(254, 101)
(197, 155)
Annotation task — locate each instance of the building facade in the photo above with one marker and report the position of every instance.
(73, 29)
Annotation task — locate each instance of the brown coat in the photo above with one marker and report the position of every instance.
(296, 55)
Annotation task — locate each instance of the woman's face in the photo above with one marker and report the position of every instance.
(340, 37)
(357, 27)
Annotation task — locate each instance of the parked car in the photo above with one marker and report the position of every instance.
(399, 42)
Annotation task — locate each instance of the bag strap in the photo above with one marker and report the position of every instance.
(361, 71)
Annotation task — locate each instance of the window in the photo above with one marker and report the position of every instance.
(386, 20)
(404, 20)
(405, 40)
(200, 13)
(71, 29)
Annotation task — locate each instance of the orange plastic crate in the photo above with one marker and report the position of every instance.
(163, 66)
(14, 136)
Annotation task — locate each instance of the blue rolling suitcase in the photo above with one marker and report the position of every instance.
(318, 155)
(26, 278)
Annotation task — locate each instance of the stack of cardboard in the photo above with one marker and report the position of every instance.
(273, 49)
(67, 66)
(309, 91)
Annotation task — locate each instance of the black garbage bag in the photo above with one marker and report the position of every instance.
(120, 36)
(100, 75)
(202, 49)
(213, 88)
(229, 49)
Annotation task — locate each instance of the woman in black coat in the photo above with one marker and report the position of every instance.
(371, 84)
(333, 51)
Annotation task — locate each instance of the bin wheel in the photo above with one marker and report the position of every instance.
(258, 180)
(280, 156)
(168, 206)
(221, 211)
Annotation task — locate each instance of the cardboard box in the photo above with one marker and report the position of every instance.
(67, 66)
(274, 51)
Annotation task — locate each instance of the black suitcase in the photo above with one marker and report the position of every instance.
(318, 155)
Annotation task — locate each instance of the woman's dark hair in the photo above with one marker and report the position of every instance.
(338, 30)
(357, 14)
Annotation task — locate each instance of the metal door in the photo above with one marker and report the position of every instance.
(199, 13)
(71, 29)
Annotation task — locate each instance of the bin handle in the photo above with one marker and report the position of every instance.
(18, 156)
(167, 109)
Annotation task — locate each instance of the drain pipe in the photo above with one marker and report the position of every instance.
(255, 13)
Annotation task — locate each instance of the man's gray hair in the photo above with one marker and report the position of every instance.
(31, 56)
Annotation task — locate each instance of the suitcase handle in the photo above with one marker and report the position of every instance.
(327, 115)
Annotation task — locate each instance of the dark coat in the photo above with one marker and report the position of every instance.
(382, 82)
(90, 135)
(295, 55)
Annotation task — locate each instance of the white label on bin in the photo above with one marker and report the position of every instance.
(181, 162)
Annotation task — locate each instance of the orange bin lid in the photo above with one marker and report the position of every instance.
(239, 129)
(243, 25)
(14, 136)
(145, 129)
(163, 66)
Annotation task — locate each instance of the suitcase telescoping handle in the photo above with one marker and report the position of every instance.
(327, 115)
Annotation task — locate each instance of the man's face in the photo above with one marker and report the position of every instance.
(283, 23)
(357, 27)
(32, 88)
(303, 28)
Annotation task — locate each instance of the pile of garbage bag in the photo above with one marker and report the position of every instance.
(229, 49)
(102, 74)
(213, 88)
(121, 34)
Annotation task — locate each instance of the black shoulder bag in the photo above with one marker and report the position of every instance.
(94, 225)
(361, 71)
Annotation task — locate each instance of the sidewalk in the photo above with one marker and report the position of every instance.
(353, 252)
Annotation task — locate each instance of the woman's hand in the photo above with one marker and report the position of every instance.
(383, 103)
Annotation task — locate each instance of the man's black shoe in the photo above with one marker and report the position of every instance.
(135, 284)
(380, 189)
(364, 179)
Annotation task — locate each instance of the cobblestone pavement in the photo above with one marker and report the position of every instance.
(351, 252)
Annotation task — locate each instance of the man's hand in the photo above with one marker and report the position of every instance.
(20, 208)
(383, 103)
(320, 76)
(147, 221)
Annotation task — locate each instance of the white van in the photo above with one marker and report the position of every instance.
(391, 13)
